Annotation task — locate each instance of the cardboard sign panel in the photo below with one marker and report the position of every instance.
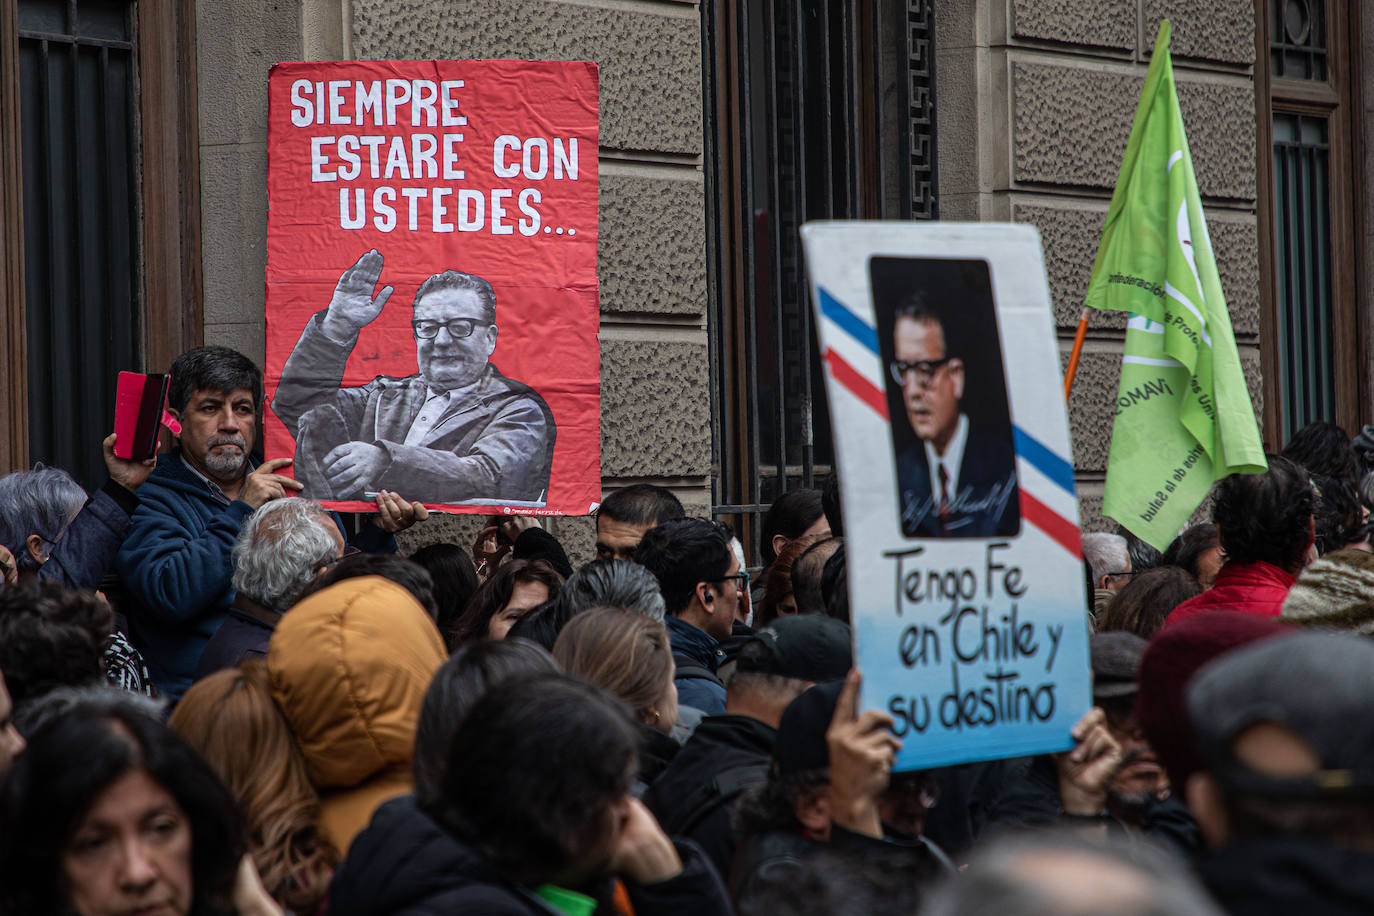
(965, 566)
(431, 295)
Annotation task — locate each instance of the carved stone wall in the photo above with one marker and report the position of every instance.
(1035, 103)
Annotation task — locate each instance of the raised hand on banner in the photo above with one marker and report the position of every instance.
(353, 306)
(352, 467)
(395, 514)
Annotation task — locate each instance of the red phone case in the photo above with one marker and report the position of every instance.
(139, 403)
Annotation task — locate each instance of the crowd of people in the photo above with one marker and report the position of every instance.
(217, 696)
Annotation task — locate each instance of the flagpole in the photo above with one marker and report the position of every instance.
(1077, 351)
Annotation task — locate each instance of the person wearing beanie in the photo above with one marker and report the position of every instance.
(1335, 592)
(1170, 660)
(1284, 730)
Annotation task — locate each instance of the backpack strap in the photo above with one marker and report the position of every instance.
(698, 672)
(722, 790)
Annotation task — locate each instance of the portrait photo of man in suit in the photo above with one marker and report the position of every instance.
(456, 430)
(955, 457)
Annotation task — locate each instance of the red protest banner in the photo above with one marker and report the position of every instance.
(431, 301)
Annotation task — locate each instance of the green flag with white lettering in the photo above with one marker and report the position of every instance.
(1183, 414)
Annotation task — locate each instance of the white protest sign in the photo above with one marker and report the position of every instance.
(964, 559)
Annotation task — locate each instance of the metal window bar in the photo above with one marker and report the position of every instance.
(787, 101)
(1302, 242)
(78, 122)
(1297, 46)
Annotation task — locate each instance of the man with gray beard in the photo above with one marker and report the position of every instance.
(175, 562)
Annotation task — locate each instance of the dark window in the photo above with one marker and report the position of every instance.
(1311, 305)
(819, 109)
(1302, 238)
(1297, 39)
(80, 161)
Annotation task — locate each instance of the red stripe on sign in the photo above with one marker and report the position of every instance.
(852, 379)
(1060, 529)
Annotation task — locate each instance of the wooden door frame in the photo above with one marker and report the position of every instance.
(168, 195)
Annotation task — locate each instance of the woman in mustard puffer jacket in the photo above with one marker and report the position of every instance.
(349, 667)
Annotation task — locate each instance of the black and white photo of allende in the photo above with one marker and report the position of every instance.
(951, 429)
(456, 431)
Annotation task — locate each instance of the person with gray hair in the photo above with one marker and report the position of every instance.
(613, 583)
(280, 550)
(1060, 873)
(1108, 558)
(55, 533)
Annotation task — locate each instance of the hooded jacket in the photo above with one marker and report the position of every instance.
(406, 864)
(349, 667)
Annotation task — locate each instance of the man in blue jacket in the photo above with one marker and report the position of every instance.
(176, 563)
(700, 580)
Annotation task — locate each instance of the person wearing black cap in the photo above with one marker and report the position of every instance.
(823, 801)
(1286, 799)
(693, 796)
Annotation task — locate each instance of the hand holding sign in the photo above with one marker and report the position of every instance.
(966, 577)
(395, 514)
(862, 750)
(353, 306)
(128, 473)
(264, 484)
(353, 466)
(1086, 771)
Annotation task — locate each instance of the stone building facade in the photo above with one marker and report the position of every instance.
(1033, 102)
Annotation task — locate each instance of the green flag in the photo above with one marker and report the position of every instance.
(1183, 412)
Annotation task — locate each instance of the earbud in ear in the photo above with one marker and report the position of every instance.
(710, 596)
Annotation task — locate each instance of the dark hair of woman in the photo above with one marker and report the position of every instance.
(790, 515)
(1337, 516)
(463, 680)
(408, 574)
(1265, 517)
(542, 625)
(231, 720)
(535, 772)
(1324, 450)
(778, 598)
(1185, 550)
(835, 587)
(1144, 602)
(494, 594)
(455, 580)
(50, 638)
(70, 762)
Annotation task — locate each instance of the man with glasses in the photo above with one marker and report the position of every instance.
(701, 580)
(956, 479)
(456, 431)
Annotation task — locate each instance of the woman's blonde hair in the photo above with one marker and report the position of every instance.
(231, 719)
(619, 651)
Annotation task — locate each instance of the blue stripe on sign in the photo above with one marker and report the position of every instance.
(850, 323)
(1043, 460)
